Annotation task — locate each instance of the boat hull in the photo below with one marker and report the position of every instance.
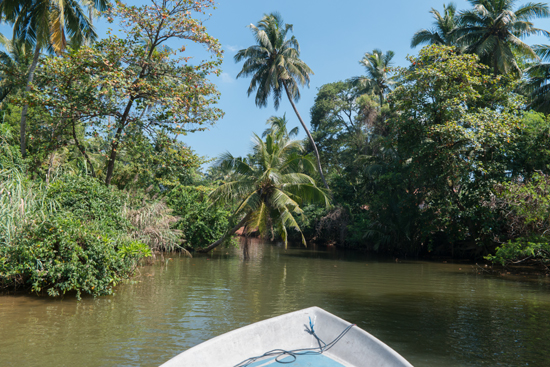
(357, 348)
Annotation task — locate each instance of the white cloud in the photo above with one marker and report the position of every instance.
(232, 48)
(226, 78)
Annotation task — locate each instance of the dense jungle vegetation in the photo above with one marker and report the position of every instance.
(448, 156)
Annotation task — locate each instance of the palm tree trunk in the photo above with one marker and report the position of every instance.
(308, 135)
(227, 234)
(23, 124)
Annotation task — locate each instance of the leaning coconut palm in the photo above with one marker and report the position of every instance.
(274, 64)
(442, 32)
(538, 82)
(378, 79)
(47, 24)
(493, 31)
(270, 186)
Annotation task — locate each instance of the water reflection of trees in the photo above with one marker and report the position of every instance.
(432, 314)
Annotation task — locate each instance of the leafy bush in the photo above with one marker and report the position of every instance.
(75, 235)
(522, 249)
(63, 254)
(525, 207)
(200, 222)
(89, 200)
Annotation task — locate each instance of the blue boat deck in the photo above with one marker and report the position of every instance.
(316, 360)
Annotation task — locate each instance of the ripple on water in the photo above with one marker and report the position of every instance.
(433, 314)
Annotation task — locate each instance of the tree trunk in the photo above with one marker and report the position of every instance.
(82, 150)
(115, 143)
(23, 124)
(227, 234)
(112, 157)
(308, 135)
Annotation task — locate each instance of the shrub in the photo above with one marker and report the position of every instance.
(525, 207)
(75, 235)
(63, 254)
(200, 222)
(90, 200)
(522, 249)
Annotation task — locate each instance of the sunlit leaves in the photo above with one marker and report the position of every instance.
(271, 185)
(454, 132)
(136, 85)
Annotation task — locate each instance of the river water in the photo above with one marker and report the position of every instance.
(434, 314)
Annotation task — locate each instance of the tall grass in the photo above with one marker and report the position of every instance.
(22, 202)
(153, 226)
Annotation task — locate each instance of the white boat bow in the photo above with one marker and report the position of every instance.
(280, 335)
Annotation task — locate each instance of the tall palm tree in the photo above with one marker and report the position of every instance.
(442, 32)
(47, 24)
(274, 64)
(493, 30)
(378, 79)
(270, 186)
(538, 82)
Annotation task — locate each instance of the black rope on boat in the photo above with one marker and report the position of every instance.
(280, 354)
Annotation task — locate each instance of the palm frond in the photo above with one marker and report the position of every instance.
(272, 183)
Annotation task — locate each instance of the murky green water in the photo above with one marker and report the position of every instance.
(433, 314)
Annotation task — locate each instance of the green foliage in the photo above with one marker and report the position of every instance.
(494, 30)
(10, 156)
(343, 121)
(64, 254)
(134, 250)
(75, 235)
(454, 128)
(271, 185)
(274, 63)
(537, 85)
(14, 63)
(44, 135)
(525, 205)
(119, 89)
(158, 165)
(420, 174)
(379, 79)
(531, 149)
(200, 221)
(22, 201)
(442, 33)
(50, 26)
(522, 249)
(89, 200)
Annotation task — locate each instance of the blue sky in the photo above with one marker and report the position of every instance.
(333, 35)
